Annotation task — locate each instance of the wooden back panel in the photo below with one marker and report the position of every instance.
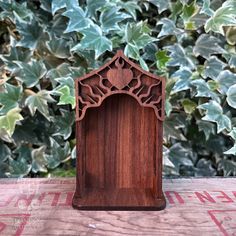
(121, 139)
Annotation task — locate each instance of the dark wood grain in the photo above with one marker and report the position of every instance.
(119, 117)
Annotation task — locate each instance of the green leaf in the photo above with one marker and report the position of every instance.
(39, 101)
(231, 96)
(66, 91)
(64, 123)
(19, 168)
(31, 34)
(95, 40)
(189, 106)
(213, 67)
(9, 98)
(31, 72)
(179, 57)
(223, 16)
(206, 45)
(77, 19)
(58, 154)
(188, 12)
(162, 5)
(214, 113)
(162, 59)
(8, 121)
(39, 160)
(65, 96)
(110, 17)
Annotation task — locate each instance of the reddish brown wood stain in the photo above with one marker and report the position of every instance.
(119, 117)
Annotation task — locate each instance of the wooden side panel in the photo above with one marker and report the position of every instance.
(120, 144)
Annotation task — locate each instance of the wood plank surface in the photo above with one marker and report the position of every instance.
(43, 207)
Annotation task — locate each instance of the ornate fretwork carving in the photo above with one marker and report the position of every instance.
(120, 75)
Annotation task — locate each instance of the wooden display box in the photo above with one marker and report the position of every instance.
(119, 119)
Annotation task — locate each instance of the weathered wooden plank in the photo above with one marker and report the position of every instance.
(43, 207)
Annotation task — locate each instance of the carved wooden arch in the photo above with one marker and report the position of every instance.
(120, 76)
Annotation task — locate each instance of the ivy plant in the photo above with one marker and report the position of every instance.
(46, 44)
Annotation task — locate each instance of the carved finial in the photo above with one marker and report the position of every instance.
(120, 53)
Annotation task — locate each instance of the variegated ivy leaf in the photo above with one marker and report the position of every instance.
(213, 67)
(204, 90)
(59, 47)
(9, 98)
(16, 55)
(95, 40)
(214, 113)
(183, 80)
(64, 123)
(31, 72)
(39, 101)
(5, 152)
(131, 7)
(19, 168)
(13, 8)
(59, 4)
(206, 8)
(225, 79)
(58, 154)
(110, 17)
(231, 96)
(224, 16)
(162, 5)
(136, 37)
(77, 19)
(206, 45)
(169, 28)
(228, 167)
(179, 57)
(31, 34)
(94, 6)
(9, 120)
(207, 127)
(39, 161)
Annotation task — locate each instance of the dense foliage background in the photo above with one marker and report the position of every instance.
(46, 44)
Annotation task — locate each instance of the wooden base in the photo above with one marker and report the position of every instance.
(119, 199)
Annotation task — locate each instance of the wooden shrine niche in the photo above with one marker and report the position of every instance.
(119, 119)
